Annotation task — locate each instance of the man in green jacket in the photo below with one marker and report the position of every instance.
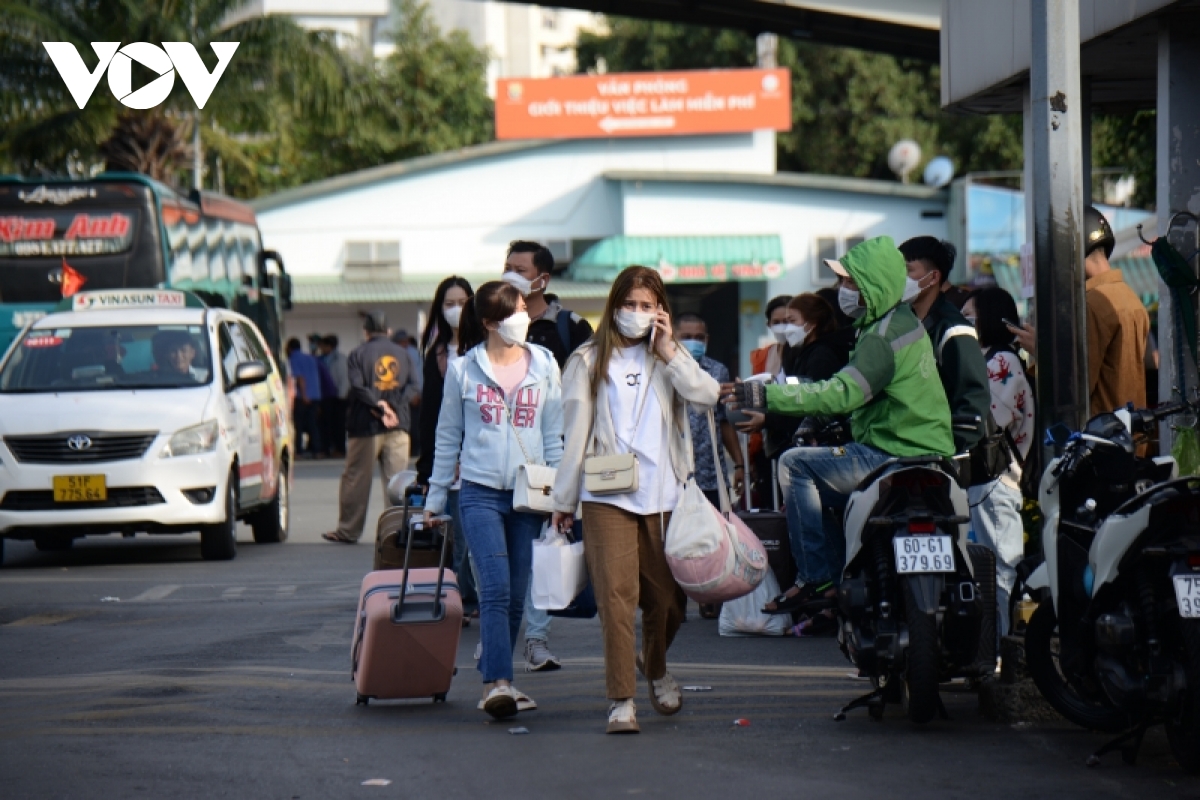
(892, 392)
(960, 361)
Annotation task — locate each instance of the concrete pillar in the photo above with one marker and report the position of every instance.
(1085, 136)
(1057, 197)
(1178, 184)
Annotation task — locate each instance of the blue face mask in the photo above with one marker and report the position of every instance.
(696, 348)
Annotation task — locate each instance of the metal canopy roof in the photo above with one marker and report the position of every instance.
(907, 28)
(313, 289)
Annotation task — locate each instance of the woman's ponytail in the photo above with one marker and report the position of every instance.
(470, 328)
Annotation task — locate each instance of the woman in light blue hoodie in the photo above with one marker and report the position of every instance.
(501, 407)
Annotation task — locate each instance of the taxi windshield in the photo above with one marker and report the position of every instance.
(110, 357)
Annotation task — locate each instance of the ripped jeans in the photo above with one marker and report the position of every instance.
(501, 544)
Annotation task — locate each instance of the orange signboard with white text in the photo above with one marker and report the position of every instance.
(644, 104)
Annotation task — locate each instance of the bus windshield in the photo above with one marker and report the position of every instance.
(111, 357)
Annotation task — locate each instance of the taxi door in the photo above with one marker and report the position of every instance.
(243, 414)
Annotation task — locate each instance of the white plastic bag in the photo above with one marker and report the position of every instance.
(744, 617)
(559, 570)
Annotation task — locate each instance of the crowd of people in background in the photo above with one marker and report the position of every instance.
(503, 375)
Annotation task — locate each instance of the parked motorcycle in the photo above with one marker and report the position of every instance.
(917, 603)
(1115, 644)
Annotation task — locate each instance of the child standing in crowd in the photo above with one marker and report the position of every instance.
(996, 506)
(501, 407)
(626, 391)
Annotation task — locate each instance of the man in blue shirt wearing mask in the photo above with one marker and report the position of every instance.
(693, 332)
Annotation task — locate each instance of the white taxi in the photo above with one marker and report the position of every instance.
(142, 411)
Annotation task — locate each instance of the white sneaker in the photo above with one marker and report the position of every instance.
(622, 717)
(538, 656)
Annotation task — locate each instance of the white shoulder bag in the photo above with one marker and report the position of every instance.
(534, 491)
(615, 474)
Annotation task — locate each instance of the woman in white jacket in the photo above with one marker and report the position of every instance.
(501, 407)
(626, 391)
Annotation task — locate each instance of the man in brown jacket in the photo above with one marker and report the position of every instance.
(1117, 325)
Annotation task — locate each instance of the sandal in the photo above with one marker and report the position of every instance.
(665, 696)
(333, 537)
(501, 702)
(809, 597)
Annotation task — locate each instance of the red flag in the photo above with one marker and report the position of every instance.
(72, 281)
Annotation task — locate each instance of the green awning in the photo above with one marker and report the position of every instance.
(684, 259)
(1139, 273)
(310, 290)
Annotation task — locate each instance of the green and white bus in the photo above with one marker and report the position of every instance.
(123, 230)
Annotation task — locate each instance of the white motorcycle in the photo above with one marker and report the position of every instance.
(1114, 644)
(917, 603)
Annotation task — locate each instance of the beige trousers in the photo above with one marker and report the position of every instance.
(390, 450)
(628, 569)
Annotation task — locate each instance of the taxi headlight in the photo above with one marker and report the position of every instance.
(200, 438)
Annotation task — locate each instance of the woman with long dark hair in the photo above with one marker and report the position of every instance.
(501, 408)
(440, 347)
(626, 391)
(996, 506)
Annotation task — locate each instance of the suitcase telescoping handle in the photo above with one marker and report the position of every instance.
(441, 521)
(744, 438)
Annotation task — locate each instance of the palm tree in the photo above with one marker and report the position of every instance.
(278, 67)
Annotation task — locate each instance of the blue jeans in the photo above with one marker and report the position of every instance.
(996, 521)
(817, 483)
(501, 545)
(537, 620)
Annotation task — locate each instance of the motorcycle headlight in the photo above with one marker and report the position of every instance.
(192, 441)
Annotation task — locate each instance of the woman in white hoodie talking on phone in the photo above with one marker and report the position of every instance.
(501, 408)
(625, 396)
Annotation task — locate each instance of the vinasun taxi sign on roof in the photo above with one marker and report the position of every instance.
(150, 298)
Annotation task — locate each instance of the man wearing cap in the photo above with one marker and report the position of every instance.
(381, 390)
(885, 390)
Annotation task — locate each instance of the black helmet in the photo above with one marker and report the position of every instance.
(1097, 233)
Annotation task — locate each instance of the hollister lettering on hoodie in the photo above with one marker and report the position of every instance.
(491, 406)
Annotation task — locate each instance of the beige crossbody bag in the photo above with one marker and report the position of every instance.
(615, 474)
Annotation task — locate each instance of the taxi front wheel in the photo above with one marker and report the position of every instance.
(219, 542)
(270, 523)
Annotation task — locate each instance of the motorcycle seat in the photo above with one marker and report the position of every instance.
(939, 463)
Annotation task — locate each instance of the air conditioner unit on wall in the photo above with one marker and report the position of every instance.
(371, 261)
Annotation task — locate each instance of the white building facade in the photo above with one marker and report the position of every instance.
(384, 237)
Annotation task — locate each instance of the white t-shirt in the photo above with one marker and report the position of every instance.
(658, 488)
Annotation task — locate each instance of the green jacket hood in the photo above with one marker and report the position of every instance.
(878, 268)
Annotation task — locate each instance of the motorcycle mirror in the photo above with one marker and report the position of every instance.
(1058, 434)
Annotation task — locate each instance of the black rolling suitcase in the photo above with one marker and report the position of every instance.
(770, 527)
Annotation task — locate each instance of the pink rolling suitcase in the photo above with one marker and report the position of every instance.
(406, 632)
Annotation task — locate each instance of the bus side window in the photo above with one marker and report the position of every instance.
(198, 246)
(233, 255)
(216, 252)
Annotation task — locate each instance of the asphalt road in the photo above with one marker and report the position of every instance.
(232, 680)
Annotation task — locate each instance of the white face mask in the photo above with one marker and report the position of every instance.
(796, 335)
(779, 331)
(913, 289)
(514, 329)
(453, 315)
(633, 324)
(848, 299)
(521, 283)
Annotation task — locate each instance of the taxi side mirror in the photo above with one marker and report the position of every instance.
(249, 373)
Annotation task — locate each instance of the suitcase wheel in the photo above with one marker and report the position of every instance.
(439, 698)
(362, 700)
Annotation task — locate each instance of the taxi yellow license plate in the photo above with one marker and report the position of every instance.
(79, 488)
